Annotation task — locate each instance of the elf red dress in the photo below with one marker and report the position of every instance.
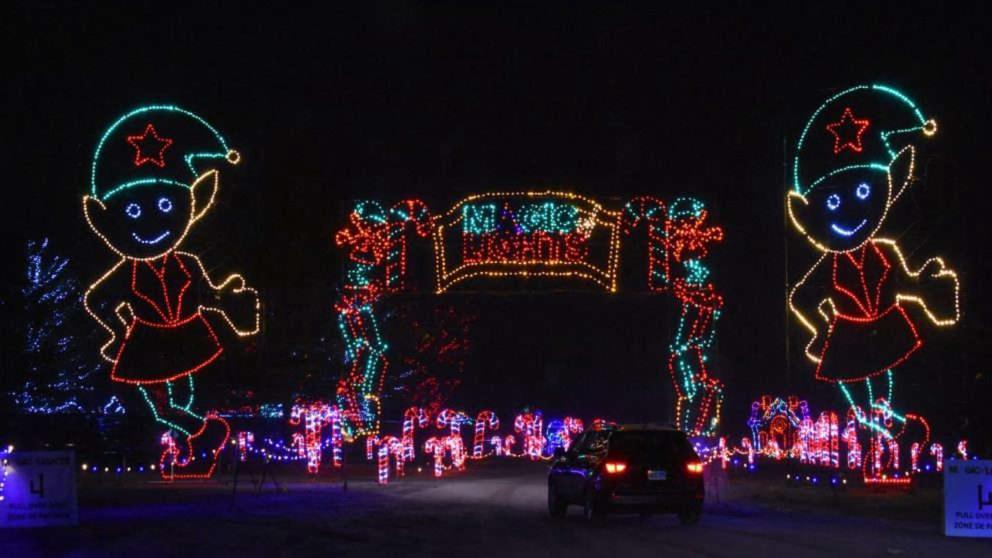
(168, 337)
(866, 336)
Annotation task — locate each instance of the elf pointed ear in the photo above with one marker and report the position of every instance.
(204, 190)
(798, 207)
(901, 172)
(94, 210)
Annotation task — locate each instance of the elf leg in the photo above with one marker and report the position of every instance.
(207, 440)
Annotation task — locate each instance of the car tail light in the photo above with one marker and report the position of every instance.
(615, 467)
(694, 468)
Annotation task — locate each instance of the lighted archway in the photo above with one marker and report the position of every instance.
(532, 234)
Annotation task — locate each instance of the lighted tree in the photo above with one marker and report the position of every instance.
(431, 352)
(58, 365)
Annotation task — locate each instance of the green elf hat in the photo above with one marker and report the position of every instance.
(862, 127)
(156, 144)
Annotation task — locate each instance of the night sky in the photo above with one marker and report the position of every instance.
(403, 100)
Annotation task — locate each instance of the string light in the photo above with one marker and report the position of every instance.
(245, 441)
(540, 234)
(856, 263)
(453, 420)
(172, 460)
(376, 266)
(485, 420)
(530, 425)
(143, 295)
(776, 420)
(526, 234)
(4, 459)
(678, 238)
(314, 416)
(390, 446)
(848, 119)
(413, 417)
(451, 446)
(937, 451)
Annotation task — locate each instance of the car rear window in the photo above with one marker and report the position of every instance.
(652, 445)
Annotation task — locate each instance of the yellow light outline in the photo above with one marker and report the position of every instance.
(900, 297)
(125, 306)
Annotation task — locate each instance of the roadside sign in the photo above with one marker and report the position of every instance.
(968, 498)
(40, 490)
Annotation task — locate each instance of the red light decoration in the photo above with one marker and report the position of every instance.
(453, 420)
(370, 444)
(485, 420)
(841, 129)
(527, 235)
(167, 283)
(160, 145)
(532, 427)
(853, 302)
(413, 418)
(937, 451)
(777, 420)
(314, 417)
(503, 445)
(678, 239)
(245, 441)
(450, 446)
(377, 259)
(856, 312)
(176, 464)
(390, 446)
(852, 444)
(158, 336)
(749, 449)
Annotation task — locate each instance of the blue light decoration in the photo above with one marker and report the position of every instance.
(854, 159)
(60, 372)
(4, 459)
(271, 410)
(155, 173)
(775, 423)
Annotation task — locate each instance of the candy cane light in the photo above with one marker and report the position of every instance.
(485, 420)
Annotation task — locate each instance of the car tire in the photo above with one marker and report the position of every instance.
(690, 515)
(592, 510)
(556, 506)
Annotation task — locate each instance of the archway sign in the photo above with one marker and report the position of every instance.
(529, 234)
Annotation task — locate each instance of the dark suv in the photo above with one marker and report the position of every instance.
(639, 469)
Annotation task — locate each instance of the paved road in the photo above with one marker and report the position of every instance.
(496, 511)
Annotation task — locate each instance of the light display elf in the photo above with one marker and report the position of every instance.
(862, 303)
(155, 174)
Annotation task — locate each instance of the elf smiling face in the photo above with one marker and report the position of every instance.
(846, 208)
(146, 221)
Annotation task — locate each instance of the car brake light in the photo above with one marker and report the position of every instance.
(694, 467)
(615, 467)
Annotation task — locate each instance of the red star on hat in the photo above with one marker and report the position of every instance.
(161, 144)
(849, 123)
